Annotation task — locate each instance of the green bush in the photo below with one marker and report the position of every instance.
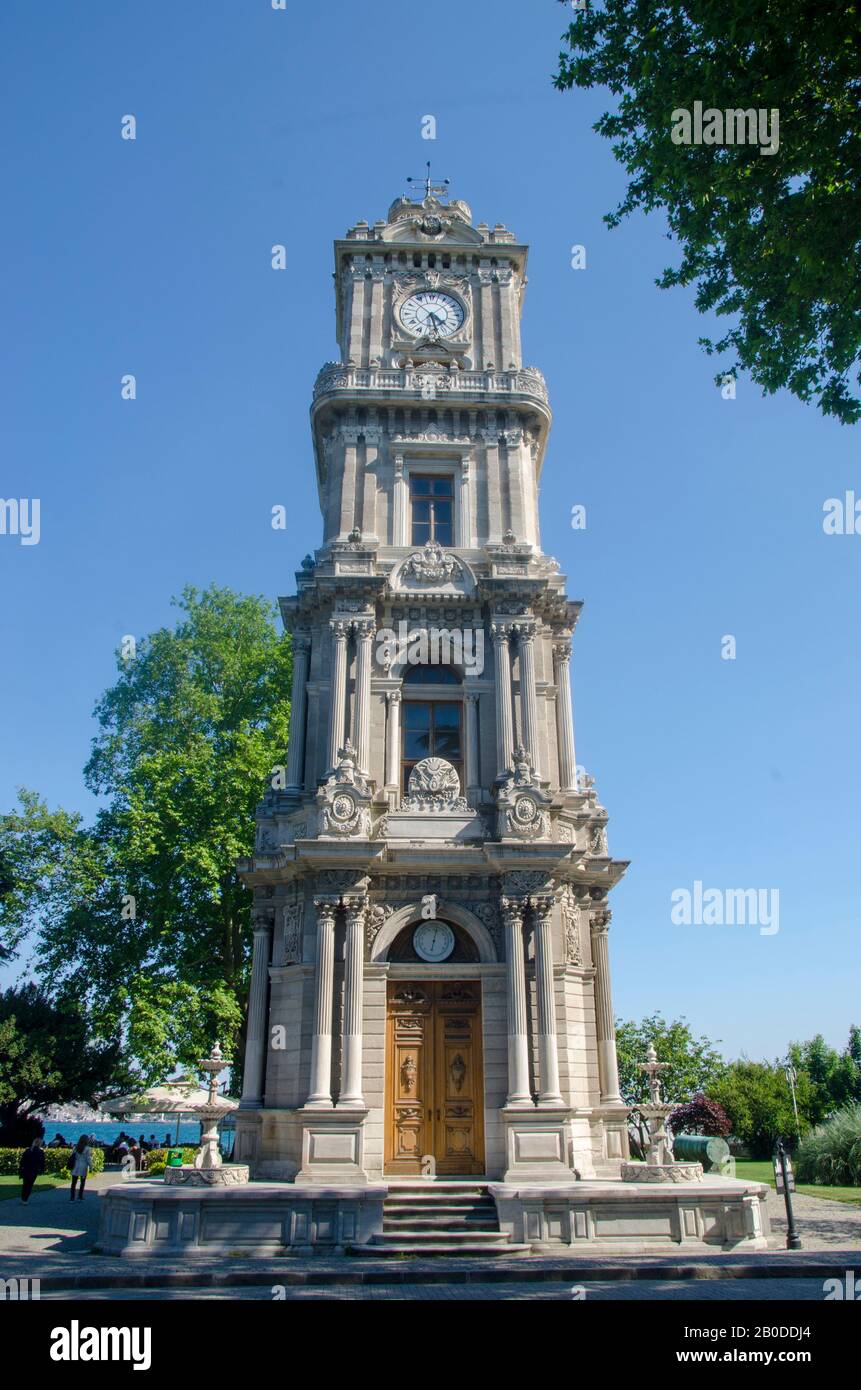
(57, 1162)
(830, 1154)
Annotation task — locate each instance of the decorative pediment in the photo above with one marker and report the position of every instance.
(433, 568)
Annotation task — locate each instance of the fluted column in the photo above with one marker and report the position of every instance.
(255, 1043)
(608, 1066)
(354, 974)
(504, 722)
(519, 1093)
(528, 699)
(473, 760)
(364, 629)
(548, 1048)
(564, 716)
(298, 707)
(393, 740)
(466, 537)
(320, 1094)
(340, 632)
(399, 504)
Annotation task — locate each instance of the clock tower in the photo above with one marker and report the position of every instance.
(430, 991)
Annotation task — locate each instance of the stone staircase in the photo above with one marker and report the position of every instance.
(442, 1218)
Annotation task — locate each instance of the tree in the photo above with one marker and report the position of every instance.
(835, 1078)
(768, 239)
(46, 1057)
(146, 917)
(758, 1101)
(700, 1116)
(34, 844)
(694, 1065)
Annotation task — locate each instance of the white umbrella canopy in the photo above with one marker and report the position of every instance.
(180, 1097)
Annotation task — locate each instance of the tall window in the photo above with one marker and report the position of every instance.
(432, 508)
(431, 729)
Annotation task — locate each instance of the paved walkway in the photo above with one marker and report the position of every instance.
(51, 1238)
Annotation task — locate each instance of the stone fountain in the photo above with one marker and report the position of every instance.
(208, 1169)
(659, 1165)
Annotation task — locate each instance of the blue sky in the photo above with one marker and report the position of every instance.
(704, 516)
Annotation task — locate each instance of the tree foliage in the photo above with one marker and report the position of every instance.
(144, 914)
(700, 1116)
(834, 1077)
(757, 1098)
(47, 1056)
(770, 241)
(694, 1063)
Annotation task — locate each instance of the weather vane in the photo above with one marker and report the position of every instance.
(432, 190)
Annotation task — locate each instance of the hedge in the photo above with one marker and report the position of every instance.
(57, 1161)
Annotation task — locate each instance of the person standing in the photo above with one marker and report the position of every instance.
(31, 1166)
(82, 1161)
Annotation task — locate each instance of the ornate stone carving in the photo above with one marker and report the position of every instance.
(293, 932)
(524, 882)
(571, 927)
(344, 799)
(378, 915)
(598, 839)
(432, 565)
(434, 786)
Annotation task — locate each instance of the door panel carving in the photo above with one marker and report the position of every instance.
(434, 1077)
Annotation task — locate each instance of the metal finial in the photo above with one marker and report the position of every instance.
(432, 190)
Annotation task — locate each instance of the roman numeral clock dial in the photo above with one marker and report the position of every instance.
(431, 314)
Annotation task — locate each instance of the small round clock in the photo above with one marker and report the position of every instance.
(431, 313)
(433, 941)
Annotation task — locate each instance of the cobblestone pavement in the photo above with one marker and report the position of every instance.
(640, 1290)
(822, 1225)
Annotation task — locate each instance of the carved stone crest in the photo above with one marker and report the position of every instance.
(434, 786)
(432, 565)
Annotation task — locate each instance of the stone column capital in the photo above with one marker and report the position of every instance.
(301, 642)
(542, 907)
(600, 921)
(326, 908)
(501, 634)
(513, 911)
(562, 651)
(355, 907)
(340, 627)
(364, 628)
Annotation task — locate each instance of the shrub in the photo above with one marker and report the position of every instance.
(57, 1162)
(830, 1154)
(701, 1116)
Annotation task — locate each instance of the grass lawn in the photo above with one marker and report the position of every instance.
(762, 1171)
(11, 1187)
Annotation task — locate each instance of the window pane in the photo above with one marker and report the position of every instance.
(443, 533)
(416, 715)
(416, 743)
(431, 675)
(421, 533)
(441, 511)
(420, 486)
(446, 716)
(442, 487)
(421, 511)
(446, 743)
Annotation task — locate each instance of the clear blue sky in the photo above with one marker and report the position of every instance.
(704, 516)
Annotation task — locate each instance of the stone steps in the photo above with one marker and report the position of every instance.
(447, 1218)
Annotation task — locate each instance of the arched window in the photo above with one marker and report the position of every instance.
(431, 675)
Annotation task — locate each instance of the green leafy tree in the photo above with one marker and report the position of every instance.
(769, 241)
(835, 1078)
(146, 917)
(758, 1101)
(694, 1064)
(47, 1056)
(34, 845)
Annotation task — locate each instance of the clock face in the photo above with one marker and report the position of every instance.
(432, 314)
(434, 941)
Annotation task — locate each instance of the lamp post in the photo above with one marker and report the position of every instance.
(784, 1180)
(792, 1077)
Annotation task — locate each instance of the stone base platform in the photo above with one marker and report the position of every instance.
(155, 1218)
(636, 1218)
(281, 1218)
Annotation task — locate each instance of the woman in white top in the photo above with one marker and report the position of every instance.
(82, 1160)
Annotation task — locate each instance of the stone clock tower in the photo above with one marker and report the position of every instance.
(430, 991)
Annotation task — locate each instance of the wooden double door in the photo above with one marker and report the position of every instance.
(434, 1078)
